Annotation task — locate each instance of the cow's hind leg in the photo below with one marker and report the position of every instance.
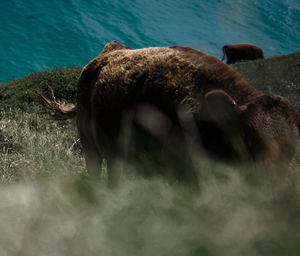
(95, 168)
(93, 158)
(93, 162)
(114, 169)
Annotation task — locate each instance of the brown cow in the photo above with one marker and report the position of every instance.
(240, 52)
(158, 93)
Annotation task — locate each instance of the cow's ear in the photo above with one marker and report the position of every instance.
(219, 107)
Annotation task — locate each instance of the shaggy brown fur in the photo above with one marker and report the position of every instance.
(159, 92)
(239, 52)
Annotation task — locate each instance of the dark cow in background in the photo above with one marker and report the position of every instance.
(159, 94)
(240, 52)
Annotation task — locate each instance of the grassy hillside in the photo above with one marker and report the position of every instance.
(280, 75)
(49, 207)
(18, 94)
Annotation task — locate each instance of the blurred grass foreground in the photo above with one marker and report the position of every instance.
(48, 207)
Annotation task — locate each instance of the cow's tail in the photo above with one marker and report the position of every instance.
(223, 49)
(57, 110)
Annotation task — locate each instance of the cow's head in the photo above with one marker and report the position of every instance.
(264, 129)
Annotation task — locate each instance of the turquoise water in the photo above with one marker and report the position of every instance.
(38, 35)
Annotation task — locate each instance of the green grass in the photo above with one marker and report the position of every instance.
(49, 207)
(147, 217)
(18, 94)
(33, 146)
